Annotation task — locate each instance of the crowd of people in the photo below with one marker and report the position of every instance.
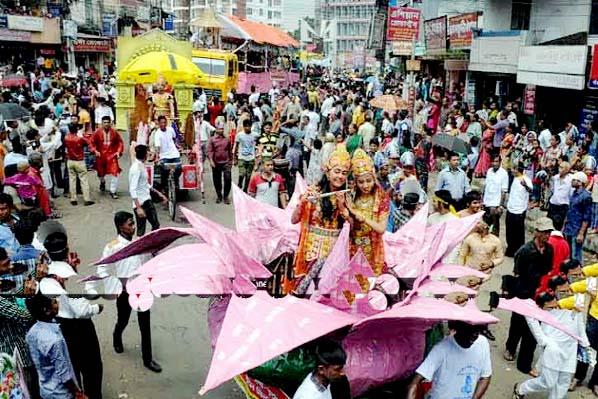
(366, 166)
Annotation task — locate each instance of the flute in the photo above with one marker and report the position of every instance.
(313, 198)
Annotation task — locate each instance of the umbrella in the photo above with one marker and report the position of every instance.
(174, 68)
(389, 102)
(14, 81)
(260, 328)
(12, 111)
(451, 143)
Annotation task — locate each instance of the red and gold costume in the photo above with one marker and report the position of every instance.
(109, 144)
(318, 233)
(374, 206)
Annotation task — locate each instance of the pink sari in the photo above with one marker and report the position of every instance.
(484, 160)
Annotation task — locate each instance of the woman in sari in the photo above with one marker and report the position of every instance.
(369, 209)
(485, 158)
(506, 148)
(321, 219)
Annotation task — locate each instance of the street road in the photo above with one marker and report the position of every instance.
(179, 328)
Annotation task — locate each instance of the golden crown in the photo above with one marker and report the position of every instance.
(339, 157)
(361, 163)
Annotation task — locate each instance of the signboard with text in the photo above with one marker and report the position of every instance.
(460, 29)
(31, 24)
(435, 33)
(529, 107)
(92, 45)
(403, 24)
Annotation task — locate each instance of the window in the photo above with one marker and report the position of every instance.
(269, 14)
(277, 14)
(594, 18)
(520, 14)
(210, 66)
(231, 68)
(249, 11)
(261, 12)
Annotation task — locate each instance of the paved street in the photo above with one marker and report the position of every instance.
(179, 328)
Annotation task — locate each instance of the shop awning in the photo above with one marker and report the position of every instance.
(260, 33)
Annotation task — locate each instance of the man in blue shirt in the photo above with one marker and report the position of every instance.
(7, 223)
(454, 180)
(578, 216)
(49, 352)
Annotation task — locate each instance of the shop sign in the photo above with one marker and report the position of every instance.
(3, 21)
(7, 35)
(456, 65)
(403, 23)
(414, 65)
(91, 45)
(47, 51)
(402, 48)
(435, 33)
(593, 81)
(69, 29)
(529, 107)
(589, 113)
(169, 24)
(55, 10)
(376, 35)
(460, 30)
(556, 80)
(31, 24)
(496, 54)
(109, 25)
(470, 91)
(570, 60)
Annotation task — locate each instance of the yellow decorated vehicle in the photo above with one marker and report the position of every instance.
(220, 71)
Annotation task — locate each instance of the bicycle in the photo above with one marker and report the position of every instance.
(171, 187)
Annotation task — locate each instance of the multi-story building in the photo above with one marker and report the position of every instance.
(187, 10)
(345, 25)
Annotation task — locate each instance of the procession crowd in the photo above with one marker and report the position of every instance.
(366, 164)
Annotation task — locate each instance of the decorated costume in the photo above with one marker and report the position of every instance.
(373, 206)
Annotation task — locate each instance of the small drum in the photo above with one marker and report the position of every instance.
(189, 179)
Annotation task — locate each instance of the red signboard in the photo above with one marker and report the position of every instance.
(403, 23)
(461, 30)
(435, 32)
(92, 45)
(530, 100)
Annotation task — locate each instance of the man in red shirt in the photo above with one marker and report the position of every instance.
(75, 163)
(108, 149)
(559, 244)
(268, 186)
(219, 154)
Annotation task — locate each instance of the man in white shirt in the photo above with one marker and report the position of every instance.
(443, 207)
(203, 131)
(201, 104)
(74, 316)
(495, 194)
(125, 269)
(516, 209)
(561, 190)
(325, 110)
(254, 96)
(103, 110)
(544, 136)
(367, 131)
(140, 190)
(167, 150)
(330, 363)
(459, 366)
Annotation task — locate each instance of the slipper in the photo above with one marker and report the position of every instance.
(508, 356)
(515, 394)
(533, 373)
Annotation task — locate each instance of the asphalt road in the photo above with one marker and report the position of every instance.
(179, 328)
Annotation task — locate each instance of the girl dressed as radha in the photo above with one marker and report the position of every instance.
(369, 209)
(322, 213)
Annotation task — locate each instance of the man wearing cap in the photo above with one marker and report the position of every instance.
(532, 262)
(220, 156)
(74, 317)
(579, 215)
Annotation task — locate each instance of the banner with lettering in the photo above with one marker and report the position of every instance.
(461, 30)
(403, 24)
(435, 32)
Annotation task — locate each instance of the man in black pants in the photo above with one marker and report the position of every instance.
(125, 227)
(140, 190)
(532, 262)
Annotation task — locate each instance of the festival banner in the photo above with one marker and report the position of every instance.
(461, 30)
(593, 81)
(529, 107)
(403, 23)
(435, 32)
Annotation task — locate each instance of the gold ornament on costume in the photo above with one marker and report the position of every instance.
(361, 163)
(340, 157)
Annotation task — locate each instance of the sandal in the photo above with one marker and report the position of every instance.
(533, 373)
(515, 394)
(508, 356)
